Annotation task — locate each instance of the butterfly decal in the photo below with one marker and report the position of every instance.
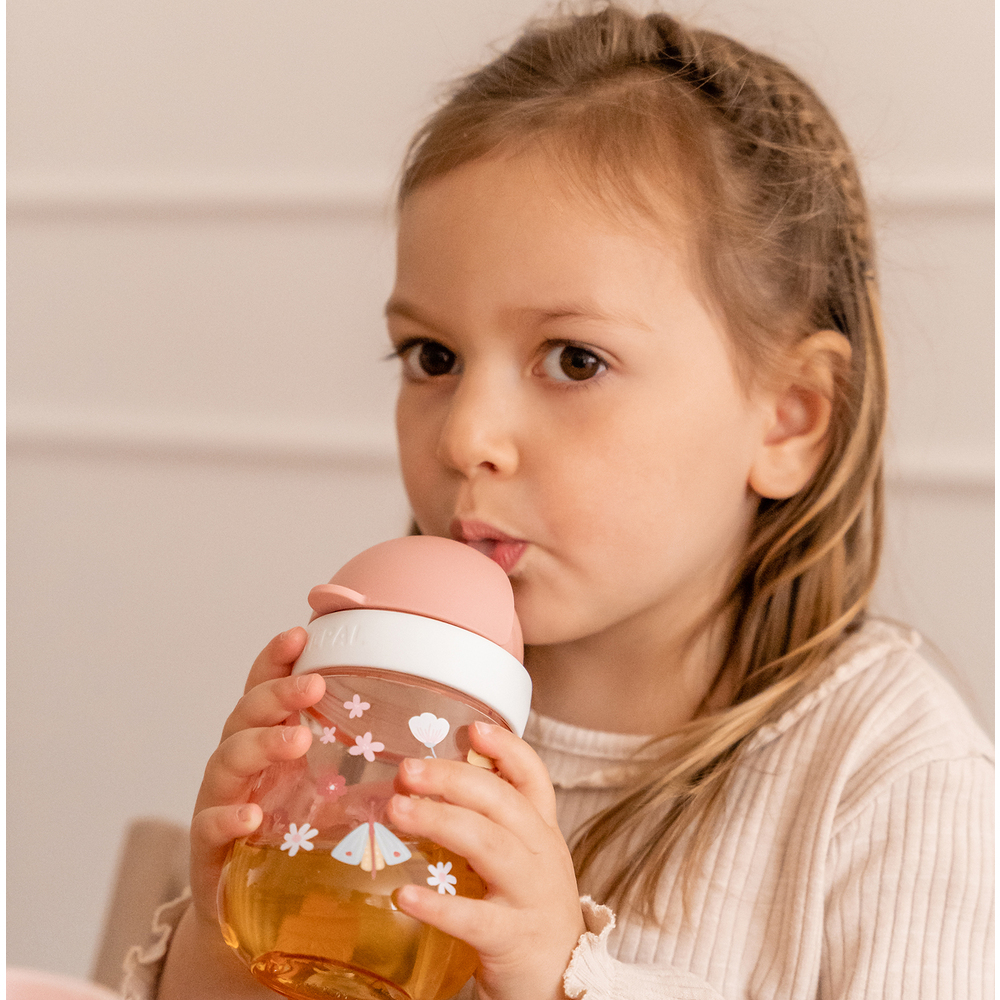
(371, 846)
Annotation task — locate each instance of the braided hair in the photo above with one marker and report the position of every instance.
(750, 169)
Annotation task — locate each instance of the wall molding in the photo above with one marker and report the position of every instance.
(344, 196)
(357, 444)
(138, 195)
(210, 437)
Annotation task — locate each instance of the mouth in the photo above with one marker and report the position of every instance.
(504, 550)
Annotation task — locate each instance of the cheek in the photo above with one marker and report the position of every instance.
(678, 481)
(416, 457)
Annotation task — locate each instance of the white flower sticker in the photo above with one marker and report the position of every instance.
(367, 746)
(329, 734)
(357, 707)
(429, 729)
(298, 837)
(439, 876)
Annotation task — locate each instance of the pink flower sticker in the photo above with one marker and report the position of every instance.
(332, 785)
(366, 746)
(329, 734)
(357, 707)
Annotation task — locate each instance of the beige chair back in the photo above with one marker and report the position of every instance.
(152, 869)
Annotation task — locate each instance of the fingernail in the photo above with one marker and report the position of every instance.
(406, 895)
(413, 766)
(403, 897)
(245, 813)
(302, 681)
(484, 728)
(402, 805)
(288, 733)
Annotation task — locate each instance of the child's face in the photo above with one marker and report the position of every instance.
(568, 404)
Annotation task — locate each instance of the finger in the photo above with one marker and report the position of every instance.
(474, 921)
(518, 764)
(212, 832)
(474, 789)
(273, 702)
(498, 855)
(239, 759)
(277, 657)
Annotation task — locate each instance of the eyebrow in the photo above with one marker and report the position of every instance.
(553, 313)
(586, 310)
(400, 307)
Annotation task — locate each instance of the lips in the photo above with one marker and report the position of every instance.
(504, 550)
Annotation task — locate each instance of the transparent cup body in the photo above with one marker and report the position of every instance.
(307, 900)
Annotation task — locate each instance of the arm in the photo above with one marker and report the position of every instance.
(910, 904)
(908, 901)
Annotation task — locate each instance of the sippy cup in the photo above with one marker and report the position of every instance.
(416, 639)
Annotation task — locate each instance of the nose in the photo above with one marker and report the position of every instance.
(478, 435)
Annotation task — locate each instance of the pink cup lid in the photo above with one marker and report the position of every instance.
(428, 576)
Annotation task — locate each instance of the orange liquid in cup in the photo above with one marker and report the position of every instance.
(319, 922)
(313, 928)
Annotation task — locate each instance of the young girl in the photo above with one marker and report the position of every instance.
(642, 369)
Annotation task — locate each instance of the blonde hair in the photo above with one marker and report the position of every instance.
(775, 216)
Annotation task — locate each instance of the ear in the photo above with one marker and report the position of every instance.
(799, 416)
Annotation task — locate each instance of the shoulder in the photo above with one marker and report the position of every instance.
(882, 714)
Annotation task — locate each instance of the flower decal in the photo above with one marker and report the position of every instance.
(439, 876)
(331, 785)
(357, 707)
(429, 730)
(298, 837)
(329, 734)
(336, 786)
(367, 746)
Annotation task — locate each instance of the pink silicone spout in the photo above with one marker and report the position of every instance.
(428, 576)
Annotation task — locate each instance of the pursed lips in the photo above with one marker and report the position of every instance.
(502, 548)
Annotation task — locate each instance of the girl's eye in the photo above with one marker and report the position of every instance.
(426, 358)
(567, 362)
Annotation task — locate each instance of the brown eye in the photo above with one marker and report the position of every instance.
(427, 358)
(567, 362)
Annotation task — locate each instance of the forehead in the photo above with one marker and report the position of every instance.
(516, 201)
(526, 231)
(563, 180)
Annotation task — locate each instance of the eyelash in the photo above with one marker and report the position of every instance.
(404, 352)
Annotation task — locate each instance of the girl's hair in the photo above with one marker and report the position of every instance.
(648, 115)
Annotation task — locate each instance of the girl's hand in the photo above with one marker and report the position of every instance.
(526, 927)
(262, 730)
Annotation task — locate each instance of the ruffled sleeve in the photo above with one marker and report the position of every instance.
(594, 974)
(144, 963)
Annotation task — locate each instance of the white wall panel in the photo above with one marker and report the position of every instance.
(938, 272)
(262, 317)
(937, 578)
(142, 590)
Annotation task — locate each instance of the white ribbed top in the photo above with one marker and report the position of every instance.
(855, 860)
